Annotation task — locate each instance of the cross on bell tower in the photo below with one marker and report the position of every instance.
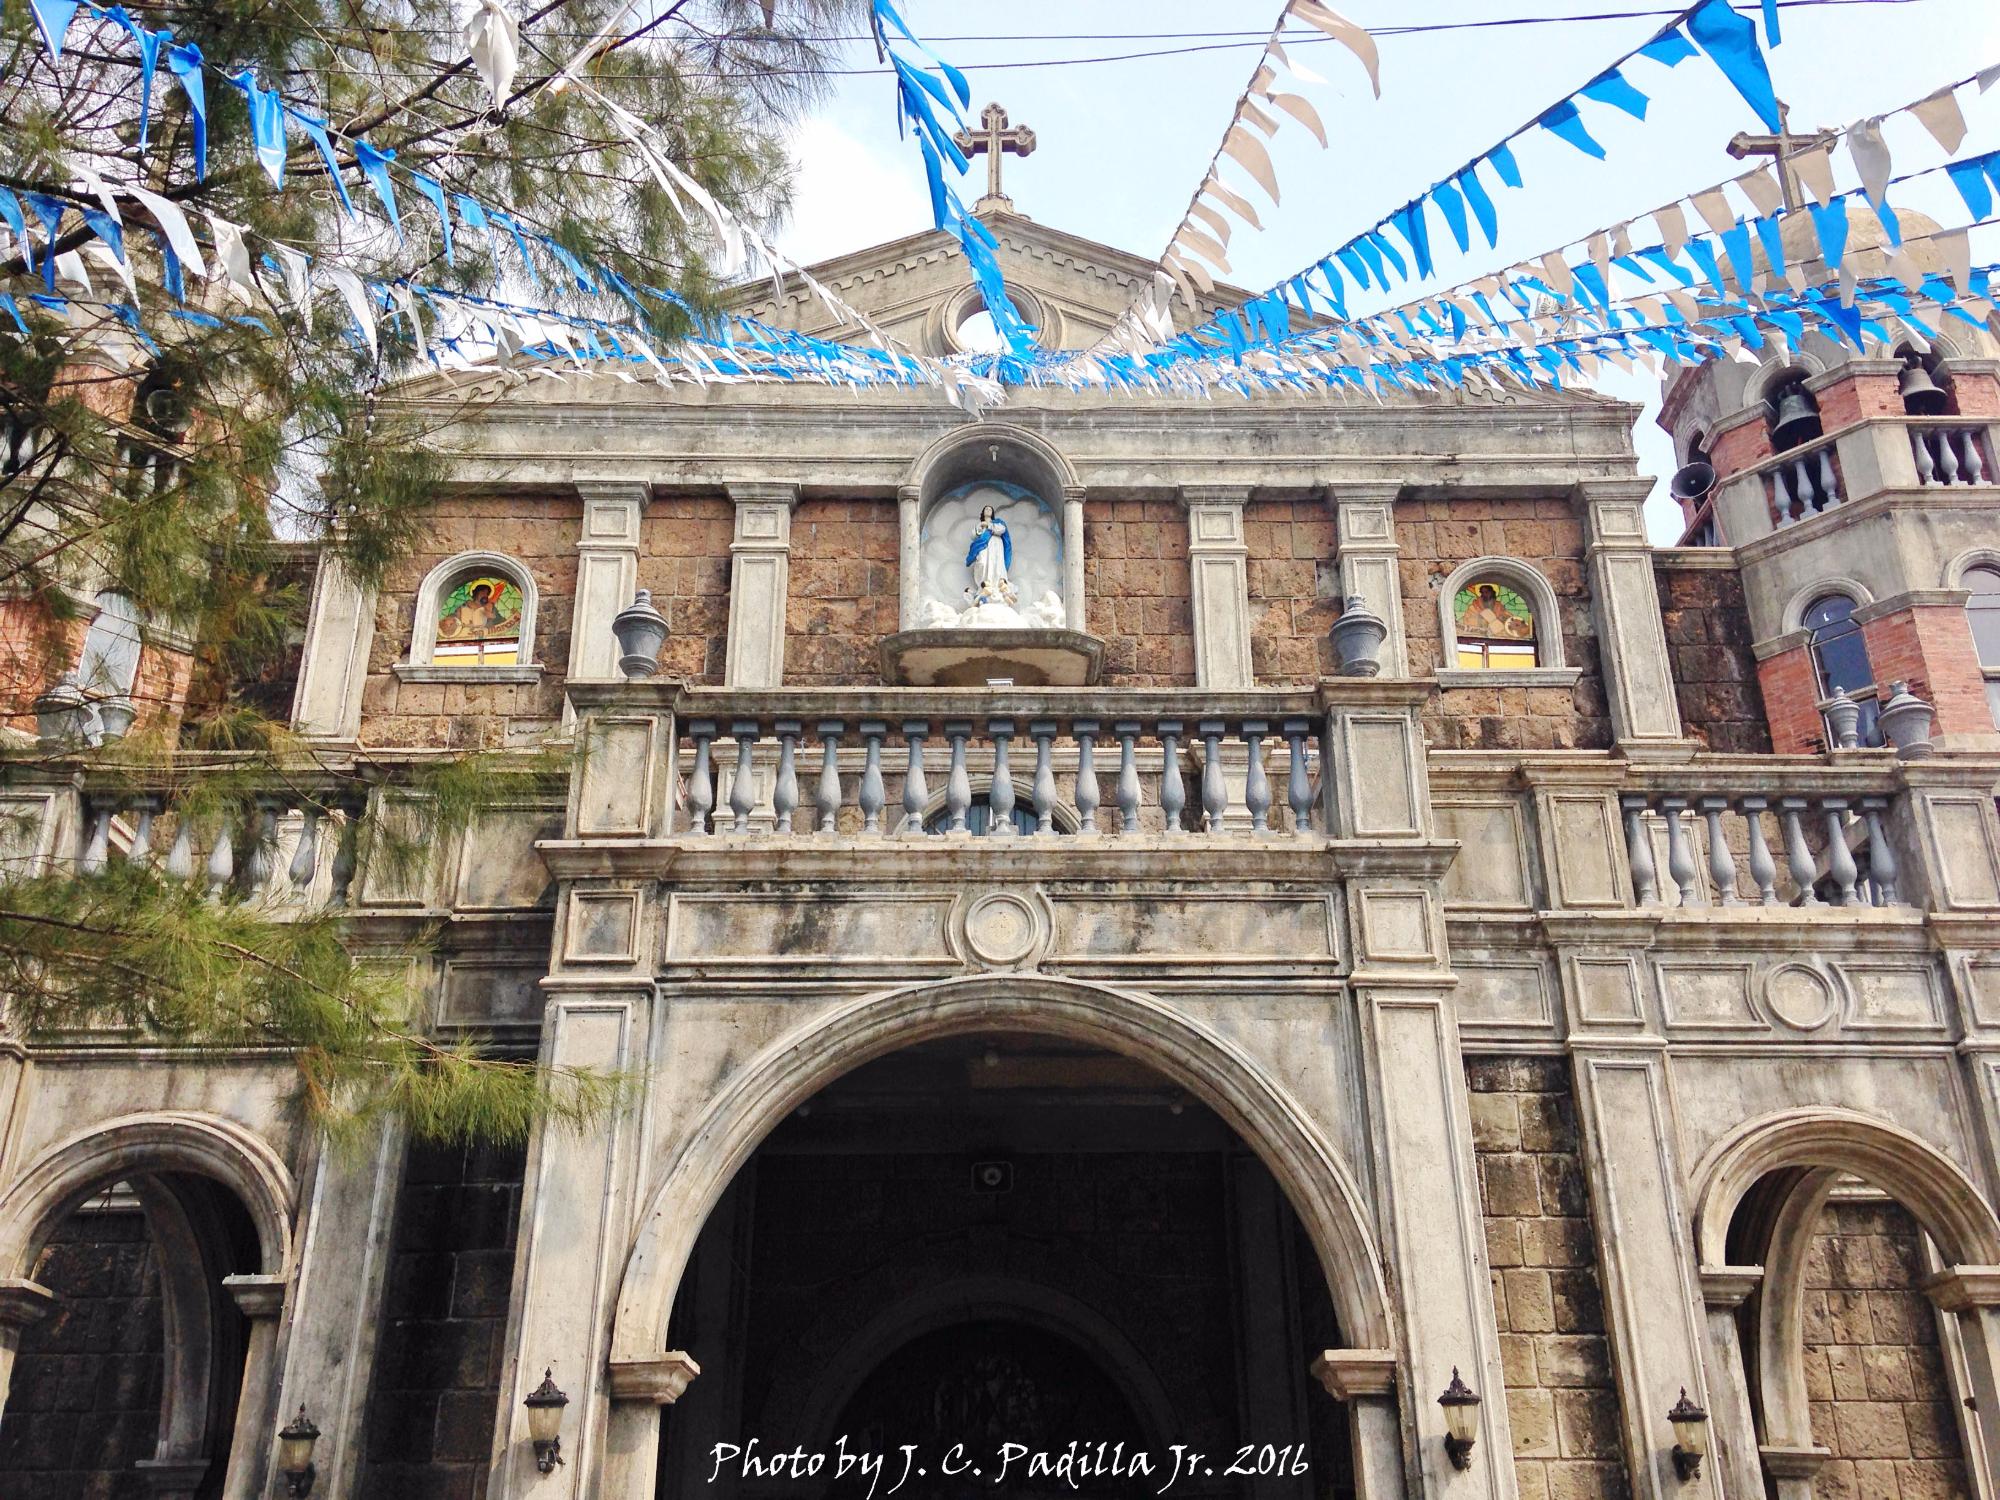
(1781, 147)
(995, 140)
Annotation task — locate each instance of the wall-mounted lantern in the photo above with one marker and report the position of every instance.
(545, 1405)
(1690, 1436)
(1461, 1420)
(295, 1455)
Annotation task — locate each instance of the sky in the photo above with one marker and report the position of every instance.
(1122, 144)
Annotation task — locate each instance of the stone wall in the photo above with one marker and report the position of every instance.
(84, 1405)
(1137, 591)
(436, 1384)
(843, 591)
(1708, 642)
(1435, 537)
(684, 559)
(1874, 1372)
(1561, 1400)
(1294, 590)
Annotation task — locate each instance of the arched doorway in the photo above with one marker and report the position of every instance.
(1003, 1237)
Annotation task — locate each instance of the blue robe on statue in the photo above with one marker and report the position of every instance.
(985, 535)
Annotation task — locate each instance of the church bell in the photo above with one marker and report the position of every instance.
(1795, 420)
(1922, 396)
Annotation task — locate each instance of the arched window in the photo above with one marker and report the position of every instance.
(1840, 658)
(476, 610)
(1982, 613)
(1792, 415)
(1496, 627)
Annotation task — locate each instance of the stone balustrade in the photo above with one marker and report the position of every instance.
(1949, 454)
(1807, 845)
(912, 762)
(1803, 483)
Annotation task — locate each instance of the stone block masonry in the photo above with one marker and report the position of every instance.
(1562, 1402)
(1294, 577)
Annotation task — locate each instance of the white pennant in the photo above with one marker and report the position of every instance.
(350, 288)
(1303, 112)
(1248, 111)
(1298, 70)
(1955, 250)
(495, 42)
(233, 256)
(1815, 169)
(1673, 228)
(1253, 158)
(173, 223)
(1871, 156)
(1232, 200)
(1762, 190)
(1941, 116)
(1344, 31)
(1213, 220)
(1714, 210)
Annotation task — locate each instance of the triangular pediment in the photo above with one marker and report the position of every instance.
(914, 288)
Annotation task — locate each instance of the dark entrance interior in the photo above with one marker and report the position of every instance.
(1004, 1239)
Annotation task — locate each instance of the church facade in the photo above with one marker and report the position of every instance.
(1157, 927)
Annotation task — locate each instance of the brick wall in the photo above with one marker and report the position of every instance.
(1294, 590)
(436, 1386)
(1708, 641)
(1857, 398)
(684, 560)
(843, 600)
(1790, 694)
(1874, 1373)
(1974, 395)
(34, 648)
(1137, 591)
(1436, 536)
(1930, 647)
(1561, 1400)
(84, 1405)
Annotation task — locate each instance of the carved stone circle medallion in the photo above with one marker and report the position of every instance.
(1799, 996)
(1002, 928)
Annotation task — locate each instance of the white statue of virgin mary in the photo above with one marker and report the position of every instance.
(990, 563)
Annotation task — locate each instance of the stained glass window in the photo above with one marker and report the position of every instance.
(479, 621)
(1496, 627)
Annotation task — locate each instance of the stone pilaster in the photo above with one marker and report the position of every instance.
(760, 560)
(340, 630)
(607, 574)
(254, 1449)
(1631, 636)
(1972, 1295)
(1365, 518)
(909, 545)
(1732, 1424)
(1219, 566)
(1072, 538)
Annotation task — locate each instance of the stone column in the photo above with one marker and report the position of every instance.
(1653, 1305)
(909, 531)
(340, 630)
(1365, 515)
(254, 1448)
(1218, 564)
(1631, 636)
(1072, 538)
(1972, 1294)
(1366, 1381)
(607, 574)
(759, 579)
(343, 1263)
(1732, 1425)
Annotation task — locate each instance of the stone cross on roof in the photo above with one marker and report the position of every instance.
(995, 140)
(1781, 147)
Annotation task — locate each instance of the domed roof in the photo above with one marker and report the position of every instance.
(1868, 245)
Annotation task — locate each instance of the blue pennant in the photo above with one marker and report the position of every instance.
(1771, 234)
(1669, 48)
(148, 43)
(105, 228)
(428, 186)
(1350, 256)
(1736, 242)
(10, 210)
(1409, 222)
(1704, 256)
(1891, 225)
(1611, 87)
(1730, 41)
(50, 211)
(1563, 120)
(1445, 196)
(315, 127)
(184, 62)
(1830, 223)
(1969, 177)
(1482, 206)
(1372, 254)
(374, 166)
(1387, 250)
(52, 18)
(13, 311)
(170, 265)
(520, 243)
(267, 125)
(1502, 157)
(1771, 36)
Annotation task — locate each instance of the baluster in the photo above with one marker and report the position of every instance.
(1721, 864)
(1882, 871)
(141, 847)
(1173, 791)
(221, 860)
(828, 798)
(1975, 461)
(1798, 858)
(1639, 850)
(1947, 456)
(1763, 869)
(1256, 785)
(1680, 857)
(180, 854)
(257, 863)
(785, 790)
(1298, 783)
(916, 791)
(1000, 795)
(1829, 481)
(873, 796)
(1087, 795)
(743, 786)
(97, 850)
(1128, 776)
(1782, 486)
(1214, 792)
(1920, 444)
(1839, 858)
(701, 786)
(1044, 732)
(958, 787)
(305, 858)
(346, 853)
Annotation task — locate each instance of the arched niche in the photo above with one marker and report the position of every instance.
(1034, 486)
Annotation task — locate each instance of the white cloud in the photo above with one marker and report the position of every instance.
(848, 195)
